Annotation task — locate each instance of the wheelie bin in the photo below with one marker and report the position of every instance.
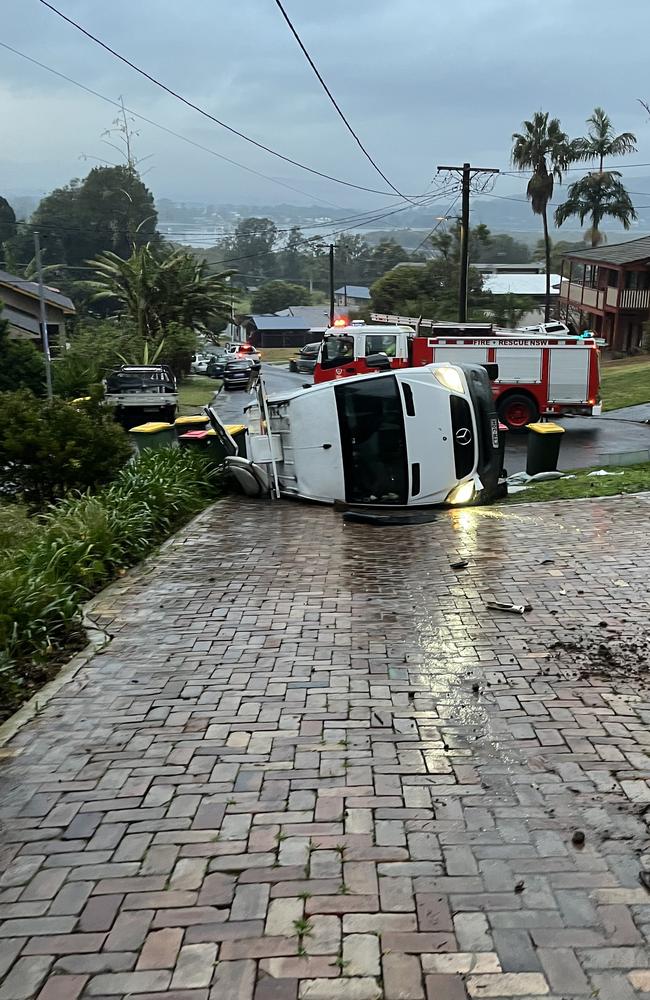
(543, 452)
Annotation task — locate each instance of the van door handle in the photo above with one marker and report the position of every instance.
(326, 446)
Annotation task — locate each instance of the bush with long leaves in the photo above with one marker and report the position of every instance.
(80, 545)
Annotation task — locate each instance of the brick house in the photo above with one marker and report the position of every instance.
(607, 289)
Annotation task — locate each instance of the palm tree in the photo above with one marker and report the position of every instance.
(155, 287)
(543, 148)
(601, 141)
(597, 196)
(601, 193)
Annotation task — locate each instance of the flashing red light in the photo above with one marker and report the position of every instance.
(340, 322)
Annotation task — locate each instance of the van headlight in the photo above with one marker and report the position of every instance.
(461, 494)
(450, 378)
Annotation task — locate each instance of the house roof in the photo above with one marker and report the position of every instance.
(314, 316)
(30, 289)
(280, 323)
(519, 284)
(616, 253)
(22, 322)
(354, 291)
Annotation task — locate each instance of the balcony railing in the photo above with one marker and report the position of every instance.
(597, 298)
(589, 298)
(635, 298)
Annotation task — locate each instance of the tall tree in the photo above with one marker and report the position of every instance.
(601, 140)
(251, 246)
(543, 148)
(600, 194)
(275, 295)
(109, 210)
(597, 196)
(7, 221)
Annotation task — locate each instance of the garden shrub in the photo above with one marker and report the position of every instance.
(81, 543)
(48, 449)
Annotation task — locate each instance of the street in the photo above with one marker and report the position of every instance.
(586, 441)
(312, 764)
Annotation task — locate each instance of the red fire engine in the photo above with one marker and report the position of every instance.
(543, 373)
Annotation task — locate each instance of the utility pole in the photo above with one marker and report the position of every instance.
(43, 311)
(331, 284)
(466, 172)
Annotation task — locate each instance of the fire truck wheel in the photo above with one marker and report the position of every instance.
(517, 410)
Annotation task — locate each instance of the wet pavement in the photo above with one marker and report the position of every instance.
(588, 441)
(312, 764)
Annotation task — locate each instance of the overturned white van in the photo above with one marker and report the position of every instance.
(407, 437)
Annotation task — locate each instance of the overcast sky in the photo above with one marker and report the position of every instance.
(422, 81)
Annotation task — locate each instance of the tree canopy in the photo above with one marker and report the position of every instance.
(109, 210)
(275, 295)
(7, 221)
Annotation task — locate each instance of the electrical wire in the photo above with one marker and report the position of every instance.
(357, 220)
(333, 100)
(437, 225)
(256, 256)
(164, 128)
(202, 111)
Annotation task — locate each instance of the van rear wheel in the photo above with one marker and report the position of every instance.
(516, 411)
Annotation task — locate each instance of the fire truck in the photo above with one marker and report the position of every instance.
(545, 373)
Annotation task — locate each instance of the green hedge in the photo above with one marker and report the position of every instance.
(81, 545)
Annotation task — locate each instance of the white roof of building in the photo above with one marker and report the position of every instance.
(520, 284)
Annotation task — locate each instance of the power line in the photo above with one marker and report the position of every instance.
(202, 111)
(229, 260)
(358, 219)
(437, 225)
(333, 100)
(164, 128)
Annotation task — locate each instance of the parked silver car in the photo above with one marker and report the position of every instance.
(305, 360)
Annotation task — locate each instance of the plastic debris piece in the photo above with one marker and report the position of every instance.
(517, 609)
(460, 564)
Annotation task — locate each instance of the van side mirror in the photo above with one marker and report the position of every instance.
(492, 371)
(380, 361)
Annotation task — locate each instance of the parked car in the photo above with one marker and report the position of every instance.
(246, 352)
(217, 363)
(236, 374)
(200, 364)
(305, 360)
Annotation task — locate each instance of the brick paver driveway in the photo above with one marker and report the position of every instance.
(313, 764)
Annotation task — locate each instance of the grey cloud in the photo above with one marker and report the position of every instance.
(422, 81)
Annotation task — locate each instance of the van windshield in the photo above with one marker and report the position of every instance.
(373, 441)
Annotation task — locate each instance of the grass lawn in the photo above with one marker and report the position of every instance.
(278, 355)
(195, 393)
(634, 479)
(625, 383)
